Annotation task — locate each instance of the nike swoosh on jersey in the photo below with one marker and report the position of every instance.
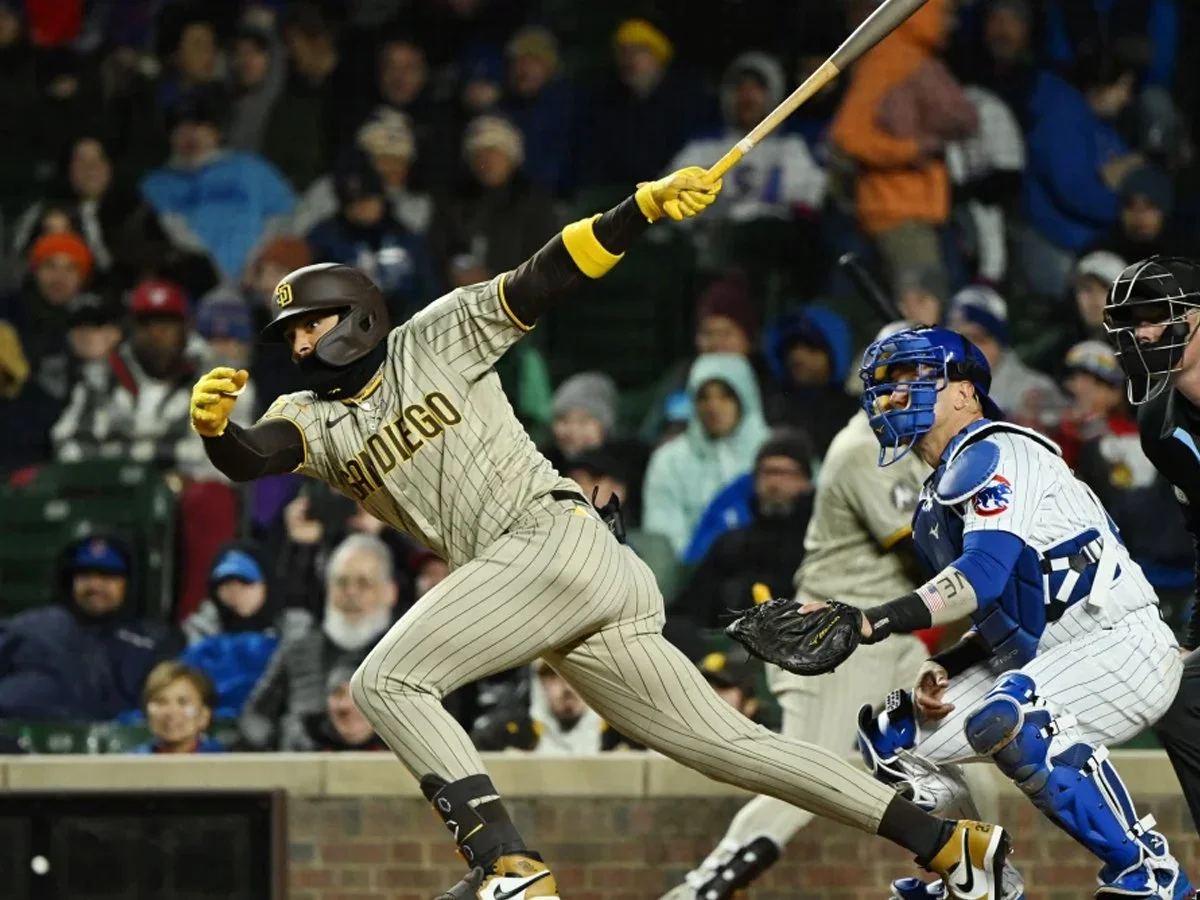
(507, 893)
(331, 421)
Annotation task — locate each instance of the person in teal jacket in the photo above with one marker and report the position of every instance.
(724, 433)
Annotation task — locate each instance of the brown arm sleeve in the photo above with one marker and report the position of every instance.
(272, 447)
(551, 273)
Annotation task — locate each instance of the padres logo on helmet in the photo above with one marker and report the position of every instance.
(283, 295)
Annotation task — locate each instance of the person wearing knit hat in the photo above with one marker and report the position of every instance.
(60, 264)
(1094, 275)
(643, 54)
(727, 320)
(533, 58)
(276, 259)
(585, 412)
(224, 322)
(541, 103)
(921, 290)
(1147, 201)
(493, 149)
(93, 327)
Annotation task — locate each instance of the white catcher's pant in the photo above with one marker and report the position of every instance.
(824, 711)
(1113, 682)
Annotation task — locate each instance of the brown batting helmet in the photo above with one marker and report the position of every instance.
(332, 287)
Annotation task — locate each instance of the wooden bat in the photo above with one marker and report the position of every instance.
(886, 18)
(868, 288)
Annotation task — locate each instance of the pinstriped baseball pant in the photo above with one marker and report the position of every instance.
(559, 586)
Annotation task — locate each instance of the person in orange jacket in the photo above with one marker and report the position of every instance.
(901, 108)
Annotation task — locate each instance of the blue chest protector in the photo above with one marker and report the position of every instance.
(1041, 586)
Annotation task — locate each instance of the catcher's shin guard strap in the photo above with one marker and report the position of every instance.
(585, 248)
(471, 809)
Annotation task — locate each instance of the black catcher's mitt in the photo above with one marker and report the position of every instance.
(803, 644)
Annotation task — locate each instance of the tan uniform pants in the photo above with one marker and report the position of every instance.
(558, 585)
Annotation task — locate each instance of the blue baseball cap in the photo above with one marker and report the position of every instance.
(237, 564)
(99, 555)
(981, 306)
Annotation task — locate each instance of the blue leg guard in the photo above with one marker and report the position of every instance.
(1072, 783)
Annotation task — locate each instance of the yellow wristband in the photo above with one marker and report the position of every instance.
(644, 196)
(587, 252)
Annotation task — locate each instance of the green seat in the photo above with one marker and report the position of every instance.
(53, 737)
(123, 738)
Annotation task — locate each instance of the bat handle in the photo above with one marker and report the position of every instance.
(730, 159)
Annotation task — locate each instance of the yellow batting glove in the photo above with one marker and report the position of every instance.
(761, 593)
(213, 398)
(679, 196)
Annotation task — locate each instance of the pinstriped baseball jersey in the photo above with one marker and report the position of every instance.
(431, 445)
(860, 510)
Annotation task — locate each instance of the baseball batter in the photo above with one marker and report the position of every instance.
(1068, 652)
(412, 423)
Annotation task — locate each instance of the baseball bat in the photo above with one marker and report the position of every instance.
(886, 18)
(868, 288)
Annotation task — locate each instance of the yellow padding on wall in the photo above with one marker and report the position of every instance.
(587, 252)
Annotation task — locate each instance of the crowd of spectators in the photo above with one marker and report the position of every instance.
(164, 163)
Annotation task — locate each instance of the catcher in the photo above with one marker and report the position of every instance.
(1067, 653)
(412, 423)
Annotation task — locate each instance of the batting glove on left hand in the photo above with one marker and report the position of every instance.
(679, 196)
(213, 399)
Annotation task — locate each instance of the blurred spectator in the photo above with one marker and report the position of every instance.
(59, 266)
(1074, 23)
(86, 656)
(340, 726)
(259, 71)
(901, 108)
(781, 175)
(223, 321)
(122, 231)
(1025, 395)
(986, 170)
(19, 109)
(222, 201)
(727, 321)
(808, 355)
(404, 85)
(921, 292)
(135, 407)
(634, 125)
(194, 64)
(271, 369)
(1000, 57)
(481, 80)
(525, 377)
(309, 116)
(1096, 387)
(720, 443)
(241, 601)
(1076, 161)
(388, 141)
(733, 680)
(769, 549)
(555, 722)
(27, 440)
(1094, 276)
(360, 596)
(365, 234)
(178, 702)
(1143, 229)
(585, 410)
(540, 102)
(499, 218)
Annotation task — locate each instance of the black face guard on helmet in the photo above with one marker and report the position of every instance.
(1160, 291)
(331, 288)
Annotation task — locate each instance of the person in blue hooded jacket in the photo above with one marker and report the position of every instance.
(1076, 160)
(809, 355)
(722, 437)
(84, 658)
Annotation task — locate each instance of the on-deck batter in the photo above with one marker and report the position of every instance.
(413, 423)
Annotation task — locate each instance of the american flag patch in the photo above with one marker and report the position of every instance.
(932, 597)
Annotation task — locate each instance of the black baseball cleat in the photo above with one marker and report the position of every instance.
(512, 877)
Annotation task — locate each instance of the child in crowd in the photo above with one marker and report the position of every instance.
(178, 702)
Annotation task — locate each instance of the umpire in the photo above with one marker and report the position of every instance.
(1151, 316)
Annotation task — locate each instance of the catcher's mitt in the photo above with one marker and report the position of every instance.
(801, 643)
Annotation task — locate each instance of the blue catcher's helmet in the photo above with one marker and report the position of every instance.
(932, 357)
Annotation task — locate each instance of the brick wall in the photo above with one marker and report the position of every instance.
(634, 849)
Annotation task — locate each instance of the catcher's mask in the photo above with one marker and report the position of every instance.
(901, 376)
(331, 288)
(1146, 317)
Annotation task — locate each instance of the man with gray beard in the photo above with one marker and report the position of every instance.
(360, 598)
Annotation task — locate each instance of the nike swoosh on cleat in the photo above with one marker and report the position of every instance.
(968, 882)
(507, 894)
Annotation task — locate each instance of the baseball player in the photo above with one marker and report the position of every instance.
(412, 423)
(857, 549)
(1068, 652)
(1151, 315)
